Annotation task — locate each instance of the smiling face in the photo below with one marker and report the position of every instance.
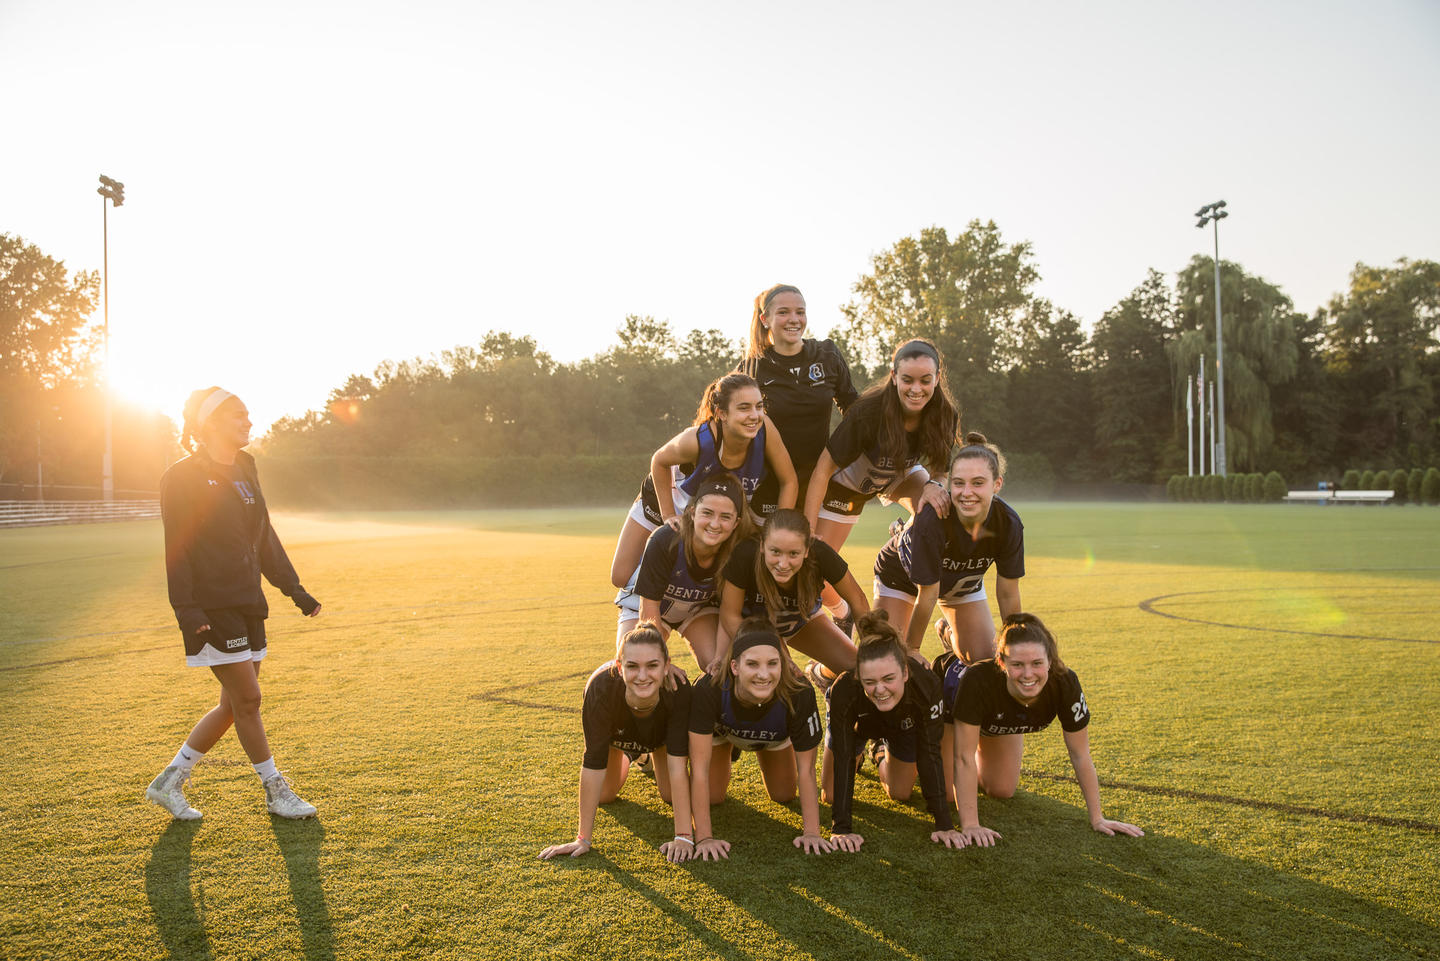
(1027, 668)
(785, 552)
(973, 486)
(757, 673)
(228, 427)
(642, 667)
(915, 383)
(742, 419)
(883, 679)
(786, 320)
(715, 520)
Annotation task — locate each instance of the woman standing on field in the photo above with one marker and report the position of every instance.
(628, 710)
(995, 703)
(218, 543)
(802, 381)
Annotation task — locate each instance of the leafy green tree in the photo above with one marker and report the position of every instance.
(1383, 341)
(44, 343)
(1415, 486)
(1351, 480)
(1260, 350)
(1131, 370)
(1051, 405)
(1254, 488)
(969, 294)
(1235, 488)
(1382, 481)
(1367, 480)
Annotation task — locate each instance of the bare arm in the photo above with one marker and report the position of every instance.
(849, 589)
(1077, 743)
(780, 465)
(920, 616)
(916, 491)
(707, 846)
(810, 841)
(1007, 595)
(732, 604)
(679, 850)
(683, 448)
(825, 468)
(967, 784)
(591, 782)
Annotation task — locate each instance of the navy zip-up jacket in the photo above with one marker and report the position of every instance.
(217, 545)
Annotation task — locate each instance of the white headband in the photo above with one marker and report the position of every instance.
(208, 407)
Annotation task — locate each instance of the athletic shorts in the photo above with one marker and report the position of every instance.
(646, 509)
(902, 588)
(902, 748)
(766, 499)
(843, 504)
(234, 637)
(629, 604)
(745, 744)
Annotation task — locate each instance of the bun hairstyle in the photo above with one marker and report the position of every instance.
(977, 446)
(645, 633)
(757, 631)
(807, 581)
(717, 398)
(939, 421)
(876, 639)
(1027, 629)
(726, 484)
(760, 334)
(196, 412)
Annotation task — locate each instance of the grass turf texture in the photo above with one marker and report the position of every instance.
(1262, 679)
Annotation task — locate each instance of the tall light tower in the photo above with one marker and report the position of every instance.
(113, 191)
(1213, 214)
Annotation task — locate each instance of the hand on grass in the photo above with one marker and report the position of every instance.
(1112, 828)
(677, 850)
(813, 844)
(849, 843)
(574, 849)
(712, 849)
(951, 839)
(982, 836)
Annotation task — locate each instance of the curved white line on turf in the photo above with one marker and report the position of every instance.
(1148, 606)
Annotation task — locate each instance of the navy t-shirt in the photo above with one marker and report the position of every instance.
(740, 573)
(983, 699)
(610, 722)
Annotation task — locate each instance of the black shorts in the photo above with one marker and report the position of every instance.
(841, 500)
(901, 748)
(766, 499)
(234, 636)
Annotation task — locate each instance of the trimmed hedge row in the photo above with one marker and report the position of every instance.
(1413, 487)
(1230, 489)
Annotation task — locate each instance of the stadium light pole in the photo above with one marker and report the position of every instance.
(113, 191)
(1213, 214)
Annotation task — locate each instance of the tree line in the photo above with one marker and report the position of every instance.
(1351, 386)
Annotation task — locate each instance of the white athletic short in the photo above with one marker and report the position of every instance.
(882, 590)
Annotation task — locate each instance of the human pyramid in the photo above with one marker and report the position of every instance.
(715, 548)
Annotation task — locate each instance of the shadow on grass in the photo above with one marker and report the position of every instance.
(300, 843)
(1052, 888)
(167, 886)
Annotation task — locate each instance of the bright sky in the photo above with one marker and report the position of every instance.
(313, 188)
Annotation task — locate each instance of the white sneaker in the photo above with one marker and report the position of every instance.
(165, 791)
(284, 802)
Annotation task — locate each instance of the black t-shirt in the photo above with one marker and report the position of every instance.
(716, 710)
(934, 549)
(855, 447)
(740, 573)
(799, 393)
(665, 576)
(985, 701)
(853, 717)
(610, 722)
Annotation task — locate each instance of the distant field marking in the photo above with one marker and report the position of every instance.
(1148, 606)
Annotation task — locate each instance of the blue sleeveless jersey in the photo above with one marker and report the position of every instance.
(751, 473)
(771, 729)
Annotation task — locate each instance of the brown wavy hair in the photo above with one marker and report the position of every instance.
(808, 581)
(939, 420)
(1027, 629)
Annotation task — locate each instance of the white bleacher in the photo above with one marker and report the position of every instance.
(1341, 497)
(40, 513)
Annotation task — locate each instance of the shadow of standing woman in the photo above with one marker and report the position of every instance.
(167, 885)
(300, 843)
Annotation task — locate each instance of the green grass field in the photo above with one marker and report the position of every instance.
(1263, 682)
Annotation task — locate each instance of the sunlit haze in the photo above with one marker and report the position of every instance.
(313, 188)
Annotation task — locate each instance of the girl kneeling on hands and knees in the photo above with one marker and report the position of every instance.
(756, 701)
(998, 702)
(896, 702)
(629, 710)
